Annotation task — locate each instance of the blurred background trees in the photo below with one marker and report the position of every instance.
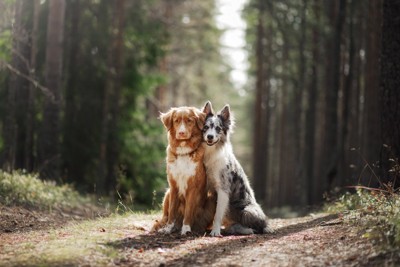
(82, 84)
(325, 101)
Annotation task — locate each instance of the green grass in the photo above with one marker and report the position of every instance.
(376, 213)
(18, 188)
(88, 242)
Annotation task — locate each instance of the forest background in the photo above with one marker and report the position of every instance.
(82, 84)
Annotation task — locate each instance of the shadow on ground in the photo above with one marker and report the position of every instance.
(156, 241)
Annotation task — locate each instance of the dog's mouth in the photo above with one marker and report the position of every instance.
(182, 137)
(211, 142)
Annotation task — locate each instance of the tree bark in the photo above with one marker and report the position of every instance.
(390, 84)
(10, 128)
(371, 141)
(309, 136)
(330, 162)
(260, 138)
(70, 145)
(297, 197)
(109, 143)
(18, 91)
(49, 150)
(348, 72)
(30, 120)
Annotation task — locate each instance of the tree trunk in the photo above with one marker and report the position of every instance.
(109, 142)
(49, 154)
(285, 145)
(18, 92)
(330, 154)
(355, 132)
(371, 142)
(348, 73)
(309, 136)
(260, 138)
(298, 168)
(10, 127)
(70, 145)
(160, 101)
(390, 84)
(30, 120)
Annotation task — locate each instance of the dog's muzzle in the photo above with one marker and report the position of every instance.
(210, 140)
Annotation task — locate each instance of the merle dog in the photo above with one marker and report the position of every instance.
(237, 208)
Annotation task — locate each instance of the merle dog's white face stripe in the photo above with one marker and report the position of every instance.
(213, 130)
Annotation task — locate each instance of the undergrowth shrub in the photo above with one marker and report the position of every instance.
(18, 188)
(376, 212)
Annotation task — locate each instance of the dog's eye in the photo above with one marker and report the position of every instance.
(189, 120)
(218, 129)
(205, 128)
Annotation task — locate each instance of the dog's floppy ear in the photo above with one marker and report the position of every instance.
(166, 118)
(207, 109)
(200, 118)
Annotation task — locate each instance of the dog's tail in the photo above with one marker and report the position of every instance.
(268, 229)
(254, 217)
(238, 229)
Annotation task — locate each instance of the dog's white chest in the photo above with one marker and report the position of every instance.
(181, 170)
(215, 161)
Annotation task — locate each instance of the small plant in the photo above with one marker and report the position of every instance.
(19, 188)
(375, 211)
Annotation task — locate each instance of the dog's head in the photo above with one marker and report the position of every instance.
(217, 126)
(183, 122)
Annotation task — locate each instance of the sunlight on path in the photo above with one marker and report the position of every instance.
(124, 240)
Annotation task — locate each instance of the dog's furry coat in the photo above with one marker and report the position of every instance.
(236, 204)
(187, 204)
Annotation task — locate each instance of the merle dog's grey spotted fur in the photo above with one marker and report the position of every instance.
(227, 174)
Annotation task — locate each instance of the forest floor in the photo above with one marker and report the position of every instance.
(68, 239)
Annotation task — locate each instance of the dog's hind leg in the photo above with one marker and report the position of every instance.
(171, 205)
(160, 224)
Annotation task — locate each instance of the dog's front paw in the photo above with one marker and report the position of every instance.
(185, 229)
(167, 229)
(216, 232)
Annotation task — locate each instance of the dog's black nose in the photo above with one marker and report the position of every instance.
(210, 137)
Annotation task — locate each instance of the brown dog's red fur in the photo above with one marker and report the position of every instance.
(187, 204)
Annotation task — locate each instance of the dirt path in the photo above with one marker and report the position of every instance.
(320, 240)
(22, 219)
(309, 241)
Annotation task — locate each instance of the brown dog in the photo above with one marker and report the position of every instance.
(187, 203)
